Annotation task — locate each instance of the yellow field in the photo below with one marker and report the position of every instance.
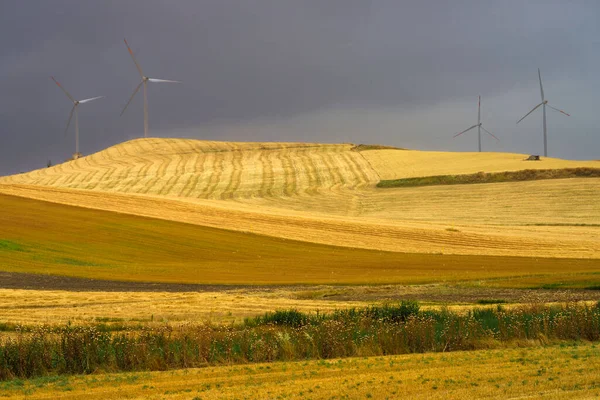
(225, 170)
(555, 372)
(326, 194)
(46, 238)
(389, 164)
(32, 307)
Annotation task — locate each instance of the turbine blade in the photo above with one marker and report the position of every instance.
(556, 109)
(131, 98)
(534, 108)
(69, 121)
(63, 89)
(162, 80)
(133, 58)
(88, 100)
(489, 133)
(466, 130)
(541, 87)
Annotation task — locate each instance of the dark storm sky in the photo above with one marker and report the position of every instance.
(404, 73)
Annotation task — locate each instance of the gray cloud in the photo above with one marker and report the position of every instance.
(366, 71)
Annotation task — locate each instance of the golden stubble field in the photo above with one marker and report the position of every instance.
(554, 372)
(47, 238)
(326, 194)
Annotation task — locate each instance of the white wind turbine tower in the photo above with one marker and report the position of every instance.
(144, 82)
(544, 103)
(76, 104)
(479, 127)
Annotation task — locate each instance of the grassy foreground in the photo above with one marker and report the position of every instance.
(555, 372)
(494, 177)
(289, 335)
(47, 238)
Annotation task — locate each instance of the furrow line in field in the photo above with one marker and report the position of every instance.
(92, 172)
(121, 171)
(337, 167)
(208, 165)
(266, 187)
(72, 177)
(196, 170)
(362, 176)
(144, 167)
(235, 177)
(110, 168)
(217, 170)
(171, 184)
(289, 174)
(309, 170)
(93, 169)
(161, 165)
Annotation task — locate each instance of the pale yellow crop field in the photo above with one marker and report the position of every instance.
(394, 164)
(466, 225)
(553, 372)
(325, 193)
(57, 307)
(225, 306)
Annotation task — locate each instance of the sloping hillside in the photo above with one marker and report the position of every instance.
(226, 170)
(210, 170)
(41, 237)
(326, 193)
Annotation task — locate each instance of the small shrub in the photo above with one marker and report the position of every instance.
(491, 301)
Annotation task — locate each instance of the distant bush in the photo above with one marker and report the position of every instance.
(291, 318)
(494, 177)
(364, 147)
(491, 301)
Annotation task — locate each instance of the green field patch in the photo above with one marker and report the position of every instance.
(492, 177)
(75, 262)
(9, 245)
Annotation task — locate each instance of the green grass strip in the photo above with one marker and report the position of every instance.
(493, 177)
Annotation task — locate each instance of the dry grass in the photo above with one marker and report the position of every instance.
(32, 307)
(47, 238)
(59, 307)
(326, 194)
(210, 170)
(535, 219)
(556, 372)
(391, 164)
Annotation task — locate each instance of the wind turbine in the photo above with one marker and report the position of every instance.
(544, 103)
(144, 82)
(479, 127)
(76, 104)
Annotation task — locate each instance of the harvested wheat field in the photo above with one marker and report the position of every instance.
(554, 372)
(47, 238)
(326, 194)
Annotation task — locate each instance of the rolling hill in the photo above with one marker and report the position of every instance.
(47, 238)
(326, 194)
